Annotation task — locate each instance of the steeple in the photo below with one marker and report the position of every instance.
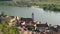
(33, 16)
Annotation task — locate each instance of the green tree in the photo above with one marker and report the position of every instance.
(6, 29)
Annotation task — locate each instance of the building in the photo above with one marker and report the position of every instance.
(42, 27)
(28, 20)
(13, 20)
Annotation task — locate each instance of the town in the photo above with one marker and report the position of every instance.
(29, 26)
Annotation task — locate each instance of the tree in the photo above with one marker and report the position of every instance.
(3, 14)
(6, 29)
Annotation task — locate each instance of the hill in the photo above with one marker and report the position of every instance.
(48, 4)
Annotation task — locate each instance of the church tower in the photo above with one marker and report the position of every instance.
(33, 16)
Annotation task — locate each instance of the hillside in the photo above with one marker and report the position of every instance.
(46, 4)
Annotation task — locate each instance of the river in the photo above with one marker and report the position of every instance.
(39, 14)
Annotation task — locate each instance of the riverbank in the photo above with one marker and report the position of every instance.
(52, 6)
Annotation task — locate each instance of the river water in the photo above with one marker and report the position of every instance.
(50, 17)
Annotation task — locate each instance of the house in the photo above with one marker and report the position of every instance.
(13, 20)
(54, 29)
(58, 29)
(29, 27)
(27, 20)
(36, 31)
(42, 27)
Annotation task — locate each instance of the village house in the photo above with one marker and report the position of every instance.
(56, 29)
(42, 27)
(27, 20)
(36, 31)
(13, 20)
